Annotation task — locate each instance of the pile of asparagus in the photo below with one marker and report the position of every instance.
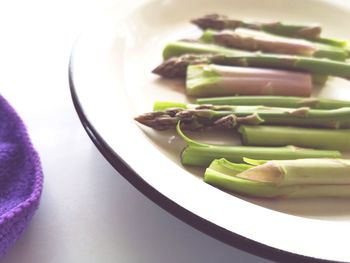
(256, 79)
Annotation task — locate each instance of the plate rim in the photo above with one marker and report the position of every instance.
(206, 226)
(209, 228)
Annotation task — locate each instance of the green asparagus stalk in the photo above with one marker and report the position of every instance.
(165, 105)
(330, 52)
(220, 22)
(177, 48)
(199, 154)
(253, 40)
(216, 80)
(202, 156)
(199, 117)
(276, 101)
(177, 60)
(310, 32)
(303, 178)
(302, 137)
(333, 42)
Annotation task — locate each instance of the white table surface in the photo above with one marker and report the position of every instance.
(88, 212)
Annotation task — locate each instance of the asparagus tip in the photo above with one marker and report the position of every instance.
(214, 21)
(171, 68)
(176, 67)
(159, 120)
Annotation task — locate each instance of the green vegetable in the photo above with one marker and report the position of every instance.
(310, 32)
(198, 117)
(200, 154)
(276, 101)
(179, 55)
(253, 40)
(299, 178)
(215, 80)
(303, 137)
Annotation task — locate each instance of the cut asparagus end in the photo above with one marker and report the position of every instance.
(201, 77)
(208, 36)
(215, 80)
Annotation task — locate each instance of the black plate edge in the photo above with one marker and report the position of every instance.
(197, 222)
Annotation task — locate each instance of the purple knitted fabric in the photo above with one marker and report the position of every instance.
(21, 177)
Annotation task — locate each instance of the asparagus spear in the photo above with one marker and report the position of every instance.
(302, 137)
(253, 40)
(220, 22)
(313, 32)
(179, 55)
(178, 48)
(215, 80)
(276, 101)
(199, 117)
(288, 179)
(203, 155)
(199, 154)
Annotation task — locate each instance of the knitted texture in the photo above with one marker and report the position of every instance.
(21, 178)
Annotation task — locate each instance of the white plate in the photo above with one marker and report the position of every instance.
(111, 83)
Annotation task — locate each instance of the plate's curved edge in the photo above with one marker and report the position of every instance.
(199, 223)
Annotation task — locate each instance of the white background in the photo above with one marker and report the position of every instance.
(88, 212)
